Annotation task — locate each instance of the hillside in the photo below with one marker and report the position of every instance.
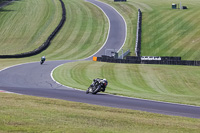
(26, 24)
(165, 31)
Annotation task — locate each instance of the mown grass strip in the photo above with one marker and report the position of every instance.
(25, 25)
(165, 32)
(83, 34)
(179, 84)
(47, 42)
(33, 114)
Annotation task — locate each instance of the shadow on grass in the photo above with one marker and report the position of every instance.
(3, 10)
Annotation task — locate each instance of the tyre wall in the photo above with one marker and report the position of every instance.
(138, 34)
(137, 60)
(119, 0)
(46, 44)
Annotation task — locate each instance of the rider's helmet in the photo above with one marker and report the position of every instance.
(105, 82)
(43, 58)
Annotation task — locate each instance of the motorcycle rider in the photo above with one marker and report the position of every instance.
(103, 83)
(43, 59)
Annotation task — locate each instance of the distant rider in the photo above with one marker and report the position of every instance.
(43, 58)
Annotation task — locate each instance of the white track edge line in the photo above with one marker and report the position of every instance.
(118, 50)
(59, 82)
(109, 26)
(91, 56)
(120, 95)
(124, 23)
(108, 30)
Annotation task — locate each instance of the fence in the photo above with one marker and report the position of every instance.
(124, 54)
(137, 60)
(119, 0)
(138, 34)
(167, 60)
(46, 44)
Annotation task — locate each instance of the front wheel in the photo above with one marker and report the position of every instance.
(96, 90)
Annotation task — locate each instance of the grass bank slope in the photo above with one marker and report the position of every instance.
(26, 24)
(33, 114)
(179, 84)
(84, 32)
(165, 32)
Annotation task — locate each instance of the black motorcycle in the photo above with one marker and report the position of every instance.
(96, 87)
(42, 61)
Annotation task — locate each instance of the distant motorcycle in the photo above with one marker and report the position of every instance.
(98, 85)
(42, 60)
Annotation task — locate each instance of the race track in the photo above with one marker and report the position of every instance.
(35, 79)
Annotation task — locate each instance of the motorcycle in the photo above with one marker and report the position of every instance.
(42, 61)
(96, 87)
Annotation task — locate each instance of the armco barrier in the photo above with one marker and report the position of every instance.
(119, 0)
(181, 62)
(46, 44)
(137, 60)
(138, 34)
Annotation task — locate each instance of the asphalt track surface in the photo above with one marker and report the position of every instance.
(35, 79)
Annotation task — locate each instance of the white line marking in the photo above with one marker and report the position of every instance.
(60, 83)
(118, 51)
(109, 27)
(51, 74)
(2, 91)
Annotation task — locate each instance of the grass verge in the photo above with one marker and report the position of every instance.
(33, 114)
(165, 31)
(179, 84)
(26, 24)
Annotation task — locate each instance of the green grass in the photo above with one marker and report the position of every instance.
(83, 34)
(25, 25)
(78, 39)
(129, 12)
(172, 32)
(165, 32)
(33, 114)
(179, 84)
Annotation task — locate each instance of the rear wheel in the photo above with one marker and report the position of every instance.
(41, 62)
(87, 91)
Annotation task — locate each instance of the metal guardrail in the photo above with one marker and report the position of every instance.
(124, 54)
